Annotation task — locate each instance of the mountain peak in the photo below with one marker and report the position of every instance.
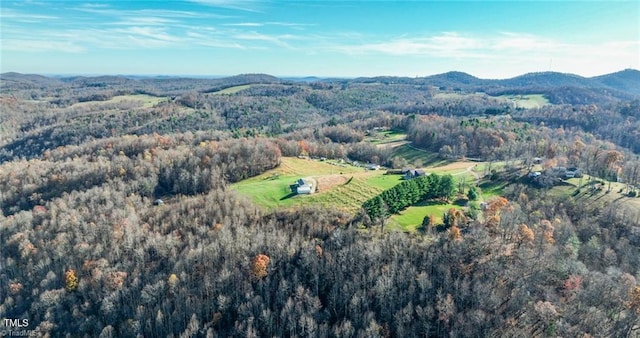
(626, 80)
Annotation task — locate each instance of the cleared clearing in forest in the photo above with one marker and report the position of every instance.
(340, 186)
(231, 90)
(144, 101)
(527, 101)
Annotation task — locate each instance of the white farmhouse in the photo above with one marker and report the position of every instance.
(304, 187)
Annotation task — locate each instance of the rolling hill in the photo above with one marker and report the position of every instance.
(26, 81)
(560, 88)
(624, 84)
(627, 80)
(172, 213)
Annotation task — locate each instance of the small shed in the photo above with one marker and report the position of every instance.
(373, 166)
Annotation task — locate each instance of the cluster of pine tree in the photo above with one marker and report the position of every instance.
(410, 192)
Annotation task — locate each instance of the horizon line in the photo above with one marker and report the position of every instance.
(220, 76)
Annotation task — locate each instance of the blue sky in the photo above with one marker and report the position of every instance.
(488, 39)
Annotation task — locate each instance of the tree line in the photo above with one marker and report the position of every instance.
(409, 192)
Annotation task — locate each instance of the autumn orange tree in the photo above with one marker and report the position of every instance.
(492, 212)
(454, 217)
(611, 160)
(71, 280)
(455, 234)
(547, 231)
(634, 299)
(525, 235)
(259, 266)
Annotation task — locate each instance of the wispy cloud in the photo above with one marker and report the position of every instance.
(460, 45)
(294, 25)
(232, 25)
(157, 36)
(76, 40)
(500, 51)
(243, 5)
(213, 39)
(278, 40)
(94, 5)
(9, 14)
(157, 13)
(145, 21)
(289, 24)
(90, 26)
(244, 24)
(445, 44)
(40, 45)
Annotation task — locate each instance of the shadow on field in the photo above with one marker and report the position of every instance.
(429, 202)
(461, 202)
(289, 195)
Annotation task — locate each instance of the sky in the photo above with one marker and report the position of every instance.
(329, 38)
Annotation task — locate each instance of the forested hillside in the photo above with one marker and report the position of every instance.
(118, 217)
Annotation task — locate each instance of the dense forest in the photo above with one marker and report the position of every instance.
(118, 217)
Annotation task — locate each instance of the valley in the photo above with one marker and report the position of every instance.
(253, 205)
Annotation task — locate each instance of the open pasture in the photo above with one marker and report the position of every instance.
(416, 156)
(528, 101)
(339, 185)
(346, 187)
(411, 218)
(231, 90)
(142, 100)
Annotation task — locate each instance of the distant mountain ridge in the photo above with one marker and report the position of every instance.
(627, 80)
(458, 77)
(559, 87)
(547, 79)
(27, 80)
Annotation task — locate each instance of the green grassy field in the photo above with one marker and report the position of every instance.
(383, 182)
(231, 90)
(491, 189)
(453, 96)
(275, 192)
(597, 198)
(387, 136)
(521, 101)
(346, 187)
(411, 218)
(145, 101)
(415, 156)
(267, 191)
(301, 166)
(527, 101)
(348, 197)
